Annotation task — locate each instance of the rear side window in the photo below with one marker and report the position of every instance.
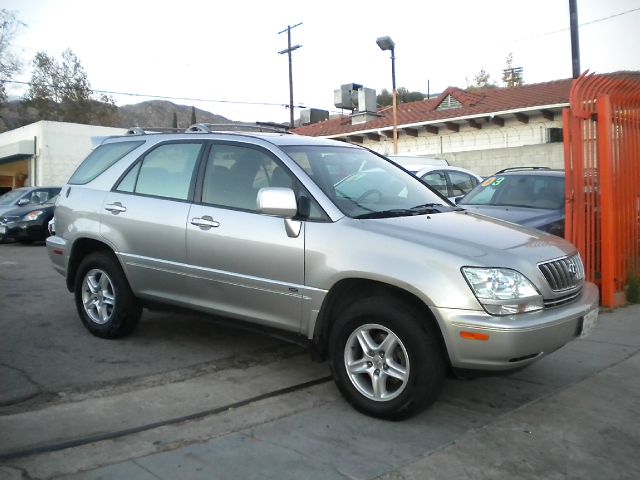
(100, 159)
(167, 171)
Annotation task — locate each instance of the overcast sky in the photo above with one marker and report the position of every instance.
(228, 51)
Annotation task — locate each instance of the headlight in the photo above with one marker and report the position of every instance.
(32, 215)
(502, 291)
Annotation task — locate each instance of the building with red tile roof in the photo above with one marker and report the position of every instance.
(481, 129)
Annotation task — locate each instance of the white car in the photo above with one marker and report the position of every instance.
(450, 182)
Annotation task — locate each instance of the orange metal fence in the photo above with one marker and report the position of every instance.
(602, 164)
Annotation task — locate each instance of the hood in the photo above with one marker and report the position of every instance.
(530, 217)
(14, 211)
(7, 208)
(479, 239)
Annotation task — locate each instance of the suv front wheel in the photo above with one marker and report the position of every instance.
(104, 300)
(386, 358)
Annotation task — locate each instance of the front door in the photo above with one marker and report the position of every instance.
(242, 262)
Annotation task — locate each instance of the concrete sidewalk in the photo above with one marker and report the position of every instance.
(590, 430)
(574, 414)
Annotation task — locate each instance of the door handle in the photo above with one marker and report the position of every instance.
(115, 208)
(205, 223)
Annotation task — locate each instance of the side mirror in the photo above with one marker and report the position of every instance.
(23, 201)
(457, 200)
(277, 201)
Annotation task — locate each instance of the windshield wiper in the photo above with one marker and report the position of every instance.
(394, 212)
(434, 208)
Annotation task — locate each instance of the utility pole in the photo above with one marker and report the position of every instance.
(575, 41)
(288, 51)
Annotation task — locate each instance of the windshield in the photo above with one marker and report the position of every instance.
(11, 196)
(363, 185)
(529, 191)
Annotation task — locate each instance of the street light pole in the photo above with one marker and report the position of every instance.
(385, 43)
(395, 102)
(575, 38)
(288, 52)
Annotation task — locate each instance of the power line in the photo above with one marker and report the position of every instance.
(163, 97)
(591, 22)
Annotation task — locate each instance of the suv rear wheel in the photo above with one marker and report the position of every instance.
(386, 358)
(103, 297)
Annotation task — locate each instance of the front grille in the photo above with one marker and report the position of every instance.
(8, 219)
(558, 302)
(563, 273)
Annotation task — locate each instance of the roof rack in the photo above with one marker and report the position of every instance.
(214, 127)
(147, 131)
(515, 169)
(238, 127)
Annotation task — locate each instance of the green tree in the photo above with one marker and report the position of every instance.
(405, 96)
(385, 98)
(60, 90)
(482, 79)
(9, 62)
(174, 122)
(193, 115)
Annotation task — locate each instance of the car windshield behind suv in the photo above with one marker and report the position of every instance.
(533, 198)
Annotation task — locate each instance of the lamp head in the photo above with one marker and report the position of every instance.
(385, 43)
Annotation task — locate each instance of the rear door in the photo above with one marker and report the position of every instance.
(242, 262)
(145, 215)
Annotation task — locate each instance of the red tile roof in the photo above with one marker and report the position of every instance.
(476, 102)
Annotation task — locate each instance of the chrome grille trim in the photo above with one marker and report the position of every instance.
(558, 302)
(563, 273)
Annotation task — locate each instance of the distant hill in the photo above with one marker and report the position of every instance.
(154, 113)
(159, 113)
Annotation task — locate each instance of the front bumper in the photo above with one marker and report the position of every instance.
(22, 231)
(513, 341)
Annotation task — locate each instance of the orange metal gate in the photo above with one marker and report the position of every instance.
(602, 165)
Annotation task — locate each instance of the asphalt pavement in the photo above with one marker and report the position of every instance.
(573, 414)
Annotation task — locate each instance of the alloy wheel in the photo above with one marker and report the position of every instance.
(98, 296)
(377, 363)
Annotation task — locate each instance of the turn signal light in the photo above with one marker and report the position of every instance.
(483, 337)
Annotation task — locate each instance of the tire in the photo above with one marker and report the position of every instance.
(404, 369)
(104, 300)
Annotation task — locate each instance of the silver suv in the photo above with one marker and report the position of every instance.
(383, 277)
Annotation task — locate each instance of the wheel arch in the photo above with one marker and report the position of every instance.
(350, 290)
(80, 249)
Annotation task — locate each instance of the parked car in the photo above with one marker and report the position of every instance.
(533, 197)
(415, 163)
(450, 182)
(20, 197)
(27, 224)
(390, 285)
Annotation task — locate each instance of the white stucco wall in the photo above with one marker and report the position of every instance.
(62, 147)
(512, 134)
(59, 148)
(485, 150)
(487, 162)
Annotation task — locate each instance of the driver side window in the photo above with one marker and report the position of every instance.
(234, 174)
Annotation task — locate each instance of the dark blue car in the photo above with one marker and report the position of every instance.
(533, 197)
(27, 224)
